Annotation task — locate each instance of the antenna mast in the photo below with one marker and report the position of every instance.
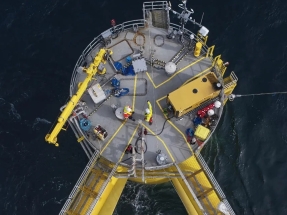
(184, 17)
(201, 18)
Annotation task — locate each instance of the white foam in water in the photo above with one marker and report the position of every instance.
(137, 196)
(138, 202)
(2, 101)
(22, 97)
(39, 120)
(14, 112)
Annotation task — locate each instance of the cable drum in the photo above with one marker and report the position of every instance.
(158, 40)
(139, 39)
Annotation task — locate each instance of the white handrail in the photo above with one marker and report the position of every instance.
(82, 178)
(214, 182)
(102, 189)
(190, 189)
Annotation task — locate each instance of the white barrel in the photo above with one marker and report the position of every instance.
(210, 112)
(170, 68)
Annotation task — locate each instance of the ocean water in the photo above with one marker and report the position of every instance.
(40, 44)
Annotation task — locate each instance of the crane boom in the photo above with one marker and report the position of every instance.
(90, 71)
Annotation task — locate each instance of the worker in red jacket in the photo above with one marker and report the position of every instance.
(128, 112)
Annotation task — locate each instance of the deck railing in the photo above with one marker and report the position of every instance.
(214, 182)
(233, 81)
(96, 42)
(189, 188)
(147, 6)
(157, 5)
(80, 181)
(153, 5)
(102, 189)
(119, 28)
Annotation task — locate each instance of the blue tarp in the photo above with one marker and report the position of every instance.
(189, 132)
(129, 70)
(118, 66)
(115, 82)
(197, 121)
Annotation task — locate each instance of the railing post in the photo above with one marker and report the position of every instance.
(215, 59)
(210, 51)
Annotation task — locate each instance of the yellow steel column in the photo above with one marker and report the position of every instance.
(189, 204)
(109, 198)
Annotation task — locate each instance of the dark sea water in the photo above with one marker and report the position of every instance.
(40, 42)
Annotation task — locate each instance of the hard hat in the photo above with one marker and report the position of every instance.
(127, 109)
(217, 104)
(210, 112)
(147, 111)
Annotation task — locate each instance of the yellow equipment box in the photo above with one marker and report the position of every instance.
(201, 132)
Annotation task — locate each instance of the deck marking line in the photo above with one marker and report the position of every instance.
(135, 90)
(199, 74)
(179, 71)
(187, 143)
(184, 68)
(110, 140)
(130, 140)
(160, 141)
(161, 98)
(150, 79)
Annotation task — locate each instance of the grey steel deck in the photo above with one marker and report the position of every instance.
(152, 85)
(146, 36)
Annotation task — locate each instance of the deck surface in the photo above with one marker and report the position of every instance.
(101, 183)
(152, 85)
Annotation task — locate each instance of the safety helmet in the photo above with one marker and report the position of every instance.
(127, 108)
(217, 104)
(147, 111)
(210, 112)
(218, 84)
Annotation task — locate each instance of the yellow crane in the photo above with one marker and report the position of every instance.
(92, 70)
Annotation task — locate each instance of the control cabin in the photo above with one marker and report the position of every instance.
(193, 94)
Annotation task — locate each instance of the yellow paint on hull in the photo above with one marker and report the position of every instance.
(189, 203)
(109, 199)
(150, 180)
(192, 164)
